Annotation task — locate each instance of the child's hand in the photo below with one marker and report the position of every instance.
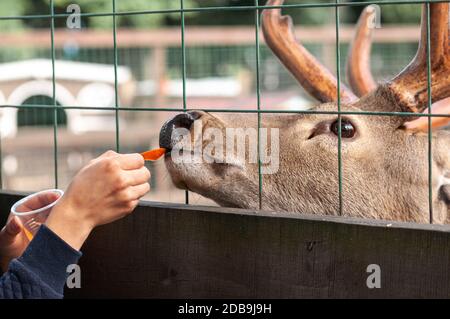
(13, 242)
(107, 189)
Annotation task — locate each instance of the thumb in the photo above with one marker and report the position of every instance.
(13, 227)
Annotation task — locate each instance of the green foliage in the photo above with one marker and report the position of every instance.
(390, 13)
(404, 13)
(138, 21)
(12, 8)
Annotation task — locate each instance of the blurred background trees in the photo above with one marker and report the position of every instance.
(390, 13)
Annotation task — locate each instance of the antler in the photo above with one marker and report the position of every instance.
(312, 75)
(410, 86)
(361, 79)
(358, 60)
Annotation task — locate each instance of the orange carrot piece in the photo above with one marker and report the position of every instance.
(154, 155)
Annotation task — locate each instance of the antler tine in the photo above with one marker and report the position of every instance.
(362, 82)
(312, 75)
(410, 86)
(358, 60)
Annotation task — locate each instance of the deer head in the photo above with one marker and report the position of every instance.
(384, 164)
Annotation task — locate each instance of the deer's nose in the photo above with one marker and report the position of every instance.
(183, 120)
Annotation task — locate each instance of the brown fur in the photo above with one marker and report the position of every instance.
(385, 168)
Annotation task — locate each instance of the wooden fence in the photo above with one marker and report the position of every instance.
(196, 36)
(178, 251)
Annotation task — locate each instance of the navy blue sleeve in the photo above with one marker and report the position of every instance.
(41, 271)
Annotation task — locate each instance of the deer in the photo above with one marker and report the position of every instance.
(385, 160)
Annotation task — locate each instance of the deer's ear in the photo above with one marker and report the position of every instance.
(421, 124)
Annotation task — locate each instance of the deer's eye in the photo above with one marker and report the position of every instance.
(348, 129)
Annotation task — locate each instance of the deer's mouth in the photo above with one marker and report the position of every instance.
(184, 159)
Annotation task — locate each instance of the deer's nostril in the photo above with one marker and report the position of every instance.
(183, 120)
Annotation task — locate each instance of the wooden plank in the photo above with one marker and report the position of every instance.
(196, 36)
(176, 251)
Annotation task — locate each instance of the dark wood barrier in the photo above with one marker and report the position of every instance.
(177, 251)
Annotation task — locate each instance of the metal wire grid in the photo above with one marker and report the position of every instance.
(257, 8)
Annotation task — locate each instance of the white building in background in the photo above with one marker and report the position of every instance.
(77, 84)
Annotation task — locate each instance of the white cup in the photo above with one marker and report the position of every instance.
(34, 209)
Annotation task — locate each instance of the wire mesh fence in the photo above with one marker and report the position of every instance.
(259, 72)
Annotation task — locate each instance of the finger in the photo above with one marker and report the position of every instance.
(131, 206)
(130, 161)
(139, 190)
(137, 176)
(12, 228)
(38, 201)
(108, 154)
(31, 204)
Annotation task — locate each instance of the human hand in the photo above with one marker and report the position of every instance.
(13, 239)
(105, 190)
(13, 242)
